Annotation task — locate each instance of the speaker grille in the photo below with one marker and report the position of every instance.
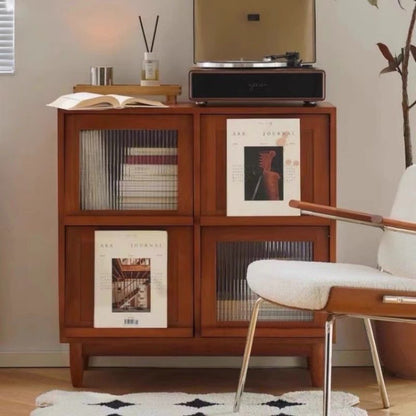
(278, 84)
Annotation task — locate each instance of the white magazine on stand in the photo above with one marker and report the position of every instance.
(263, 166)
(130, 279)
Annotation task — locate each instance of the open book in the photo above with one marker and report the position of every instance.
(89, 100)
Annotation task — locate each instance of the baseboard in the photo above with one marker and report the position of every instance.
(34, 359)
(352, 358)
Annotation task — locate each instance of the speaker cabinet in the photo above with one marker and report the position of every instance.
(283, 84)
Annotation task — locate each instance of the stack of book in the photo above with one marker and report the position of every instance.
(149, 179)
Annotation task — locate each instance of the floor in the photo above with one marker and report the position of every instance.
(20, 387)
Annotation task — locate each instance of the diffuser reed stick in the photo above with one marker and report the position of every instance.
(144, 34)
(154, 33)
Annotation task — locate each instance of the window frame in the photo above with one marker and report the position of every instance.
(7, 67)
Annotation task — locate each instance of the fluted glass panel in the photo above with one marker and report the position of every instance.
(235, 300)
(129, 169)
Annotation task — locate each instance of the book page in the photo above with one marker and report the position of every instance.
(83, 100)
(125, 101)
(89, 100)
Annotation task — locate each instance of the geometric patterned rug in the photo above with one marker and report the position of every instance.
(301, 403)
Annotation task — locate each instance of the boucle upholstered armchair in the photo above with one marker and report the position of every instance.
(387, 293)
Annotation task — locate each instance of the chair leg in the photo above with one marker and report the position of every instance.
(247, 352)
(328, 365)
(376, 363)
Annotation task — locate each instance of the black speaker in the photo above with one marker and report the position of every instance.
(280, 84)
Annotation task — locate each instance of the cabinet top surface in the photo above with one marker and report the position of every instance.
(191, 108)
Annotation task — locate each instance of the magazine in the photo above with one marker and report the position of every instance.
(263, 166)
(130, 279)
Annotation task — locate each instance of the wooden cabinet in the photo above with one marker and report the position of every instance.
(209, 302)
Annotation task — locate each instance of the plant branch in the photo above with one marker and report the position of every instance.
(405, 95)
(412, 105)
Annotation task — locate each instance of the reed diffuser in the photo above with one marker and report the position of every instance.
(150, 65)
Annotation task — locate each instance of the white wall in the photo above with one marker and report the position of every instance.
(370, 145)
(58, 40)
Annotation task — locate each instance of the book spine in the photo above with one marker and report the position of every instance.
(149, 178)
(147, 193)
(132, 170)
(153, 159)
(149, 186)
(147, 151)
(148, 206)
(160, 182)
(148, 199)
(168, 179)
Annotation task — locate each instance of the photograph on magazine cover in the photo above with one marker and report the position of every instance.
(131, 281)
(263, 173)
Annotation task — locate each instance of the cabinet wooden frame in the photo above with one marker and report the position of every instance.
(75, 124)
(78, 319)
(193, 228)
(314, 161)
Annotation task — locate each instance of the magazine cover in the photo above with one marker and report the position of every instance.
(263, 166)
(130, 279)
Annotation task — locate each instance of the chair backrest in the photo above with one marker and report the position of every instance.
(397, 251)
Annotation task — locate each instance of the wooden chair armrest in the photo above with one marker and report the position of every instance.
(353, 216)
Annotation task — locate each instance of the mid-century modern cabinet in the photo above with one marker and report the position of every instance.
(209, 302)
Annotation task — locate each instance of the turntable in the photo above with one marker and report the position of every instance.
(235, 44)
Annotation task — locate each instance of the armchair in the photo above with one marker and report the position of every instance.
(387, 293)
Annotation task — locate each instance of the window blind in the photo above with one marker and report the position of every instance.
(6, 36)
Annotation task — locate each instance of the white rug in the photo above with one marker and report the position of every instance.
(302, 403)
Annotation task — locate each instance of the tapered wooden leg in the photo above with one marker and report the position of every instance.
(316, 365)
(77, 364)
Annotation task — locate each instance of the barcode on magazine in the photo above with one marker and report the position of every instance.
(131, 321)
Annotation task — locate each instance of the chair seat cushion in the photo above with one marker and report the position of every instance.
(306, 285)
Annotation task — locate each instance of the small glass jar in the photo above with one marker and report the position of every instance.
(150, 70)
(101, 75)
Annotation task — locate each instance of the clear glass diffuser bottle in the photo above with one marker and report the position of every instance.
(150, 70)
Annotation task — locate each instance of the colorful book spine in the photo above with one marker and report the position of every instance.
(133, 170)
(149, 179)
(149, 199)
(153, 193)
(139, 185)
(152, 159)
(145, 206)
(147, 151)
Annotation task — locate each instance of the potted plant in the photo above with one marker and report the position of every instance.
(397, 341)
(400, 64)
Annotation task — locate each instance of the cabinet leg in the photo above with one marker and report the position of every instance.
(77, 361)
(316, 365)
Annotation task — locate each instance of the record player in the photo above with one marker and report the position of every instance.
(235, 44)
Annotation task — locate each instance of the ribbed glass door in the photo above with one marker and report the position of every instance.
(128, 170)
(235, 300)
